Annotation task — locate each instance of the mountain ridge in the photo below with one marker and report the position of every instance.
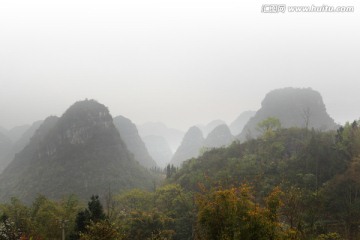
(129, 134)
(79, 153)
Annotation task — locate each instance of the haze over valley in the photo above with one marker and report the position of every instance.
(179, 120)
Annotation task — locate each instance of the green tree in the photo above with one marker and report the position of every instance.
(348, 139)
(42, 218)
(147, 225)
(342, 199)
(18, 215)
(134, 200)
(93, 214)
(233, 214)
(329, 236)
(101, 230)
(268, 126)
(45, 218)
(177, 204)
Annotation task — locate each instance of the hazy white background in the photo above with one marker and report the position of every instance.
(181, 62)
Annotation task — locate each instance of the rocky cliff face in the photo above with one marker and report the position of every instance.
(129, 134)
(294, 107)
(80, 153)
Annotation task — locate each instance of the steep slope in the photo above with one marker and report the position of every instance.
(129, 134)
(172, 136)
(17, 173)
(238, 124)
(80, 153)
(190, 146)
(3, 130)
(294, 107)
(16, 132)
(158, 149)
(20, 144)
(26, 136)
(219, 137)
(5, 148)
(206, 129)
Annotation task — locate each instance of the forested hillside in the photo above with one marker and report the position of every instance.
(79, 153)
(291, 183)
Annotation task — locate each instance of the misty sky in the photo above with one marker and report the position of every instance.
(181, 62)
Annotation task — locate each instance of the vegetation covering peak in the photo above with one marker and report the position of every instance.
(79, 153)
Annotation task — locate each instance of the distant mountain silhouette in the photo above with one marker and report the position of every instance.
(129, 134)
(80, 153)
(3, 130)
(172, 136)
(5, 148)
(20, 144)
(25, 138)
(190, 146)
(294, 107)
(219, 137)
(238, 124)
(16, 132)
(159, 149)
(210, 126)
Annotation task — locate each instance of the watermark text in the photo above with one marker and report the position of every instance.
(283, 8)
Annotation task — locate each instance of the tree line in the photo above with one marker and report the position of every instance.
(287, 184)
